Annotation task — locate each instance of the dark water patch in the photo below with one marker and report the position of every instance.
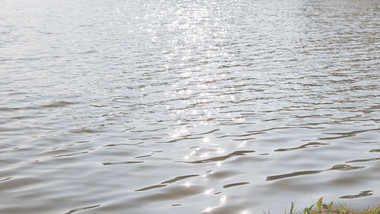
(149, 130)
(82, 208)
(157, 152)
(264, 131)
(143, 156)
(312, 144)
(244, 139)
(363, 160)
(346, 134)
(293, 174)
(235, 184)
(10, 109)
(340, 167)
(361, 194)
(151, 187)
(58, 104)
(222, 158)
(178, 179)
(5, 179)
(128, 129)
(145, 138)
(23, 117)
(313, 116)
(205, 133)
(194, 147)
(122, 144)
(123, 162)
(345, 167)
(234, 135)
(85, 130)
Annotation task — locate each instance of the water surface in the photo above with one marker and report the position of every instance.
(217, 106)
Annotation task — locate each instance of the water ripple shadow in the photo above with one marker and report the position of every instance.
(312, 144)
(362, 194)
(222, 158)
(82, 208)
(5, 179)
(34, 107)
(346, 134)
(293, 174)
(165, 183)
(118, 163)
(151, 187)
(123, 144)
(85, 130)
(363, 160)
(143, 156)
(58, 104)
(340, 167)
(178, 179)
(345, 167)
(235, 184)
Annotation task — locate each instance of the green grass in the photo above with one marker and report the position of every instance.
(330, 208)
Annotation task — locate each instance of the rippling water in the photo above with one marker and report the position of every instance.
(175, 106)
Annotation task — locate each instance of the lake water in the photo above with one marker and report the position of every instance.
(177, 106)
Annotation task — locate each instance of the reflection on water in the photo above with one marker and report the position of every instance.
(188, 106)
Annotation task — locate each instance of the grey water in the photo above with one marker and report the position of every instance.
(178, 106)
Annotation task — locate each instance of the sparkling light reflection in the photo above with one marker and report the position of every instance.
(206, 140)
(220, 151)
(208, 191)
(242, 144)
(207, 210)
(223, 200)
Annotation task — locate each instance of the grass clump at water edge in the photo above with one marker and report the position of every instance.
(321, 207)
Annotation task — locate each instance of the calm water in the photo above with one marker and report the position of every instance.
(176, 106)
